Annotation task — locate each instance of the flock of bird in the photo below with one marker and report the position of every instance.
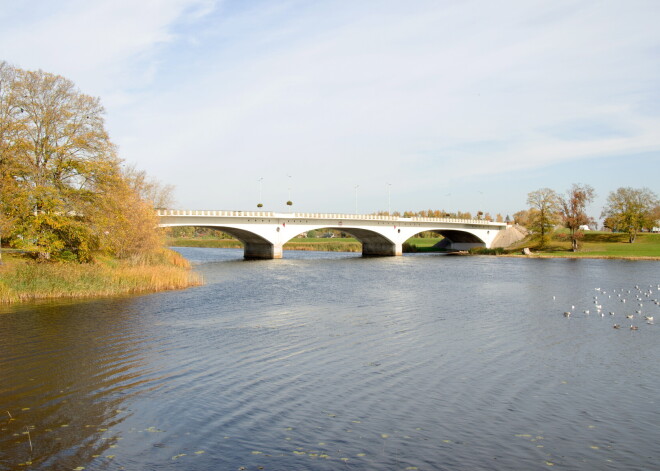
(638, 297)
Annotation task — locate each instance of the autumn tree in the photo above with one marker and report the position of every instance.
(630, 210)
(524, 217)
(573, 210)
(545, 202)
(58, 168)
(149, 189)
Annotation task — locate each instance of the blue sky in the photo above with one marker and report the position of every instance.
(455, 104)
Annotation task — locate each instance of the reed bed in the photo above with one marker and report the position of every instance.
(22, 280)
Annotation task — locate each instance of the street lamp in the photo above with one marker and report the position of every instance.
(261, 180)
(288, 201)
(356, 188)
(389, 200)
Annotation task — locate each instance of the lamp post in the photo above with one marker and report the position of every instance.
(289, 194)
(389, 200)
(261, 183)
(356, 188)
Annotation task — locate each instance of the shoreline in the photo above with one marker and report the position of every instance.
(25, 281)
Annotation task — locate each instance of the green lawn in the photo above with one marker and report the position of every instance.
(599, 244)
(335, 244)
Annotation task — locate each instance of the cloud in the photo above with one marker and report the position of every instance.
(102, 45)
(212, 97)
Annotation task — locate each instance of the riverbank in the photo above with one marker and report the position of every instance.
(22, 279)
(602, 245)
(416, 244)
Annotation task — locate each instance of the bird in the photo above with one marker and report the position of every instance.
(616, 326)
(634, 327)
(567, 314)
(629, 316)
(648, 318)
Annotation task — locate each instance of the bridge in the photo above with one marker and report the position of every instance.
(263, 233)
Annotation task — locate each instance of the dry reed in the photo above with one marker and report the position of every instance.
(24, 281)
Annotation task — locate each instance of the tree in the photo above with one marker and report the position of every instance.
(523, 217)
(546, 203)
(630, 210)
(573, 210)
(62, 190)
(148, 188)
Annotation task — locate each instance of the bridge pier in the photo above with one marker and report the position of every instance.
(381, 249)
(261, 251)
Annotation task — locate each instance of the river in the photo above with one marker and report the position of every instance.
(326, 361)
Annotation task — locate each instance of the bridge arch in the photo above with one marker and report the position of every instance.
(456, 239)
(373, 243)
(255, 246)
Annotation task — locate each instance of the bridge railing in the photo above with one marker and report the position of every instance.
(270, 214)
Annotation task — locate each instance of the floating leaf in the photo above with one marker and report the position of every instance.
(356, 421)
(384, 435)
(257, 453)
(295, 452)
(361, 454)
(64, 425)
(199, 452)
(594, 447)
(79, 468)
(25, 408)
(549, 463)
(524, 435)
(110, 456)
(324, 456)
(176, 457)
(321, 444)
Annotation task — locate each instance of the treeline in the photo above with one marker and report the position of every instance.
(64, 193)
(629, 210)
(441, 213)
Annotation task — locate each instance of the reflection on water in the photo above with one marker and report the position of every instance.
(325, 360)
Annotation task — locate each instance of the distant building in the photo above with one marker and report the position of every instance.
(584, 227)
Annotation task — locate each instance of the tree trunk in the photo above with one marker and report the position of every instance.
(631, 237)
(574, 244)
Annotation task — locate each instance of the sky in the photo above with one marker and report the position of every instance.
(344, 106)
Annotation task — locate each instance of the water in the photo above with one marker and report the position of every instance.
(325, 361)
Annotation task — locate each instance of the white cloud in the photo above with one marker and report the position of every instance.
(422, 94)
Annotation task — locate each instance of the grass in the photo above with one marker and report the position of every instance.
(596, 245)
(204, 242)
(422, 244)
(25, 280)
(415, 244)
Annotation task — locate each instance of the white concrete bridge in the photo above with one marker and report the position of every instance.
(264, 233)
